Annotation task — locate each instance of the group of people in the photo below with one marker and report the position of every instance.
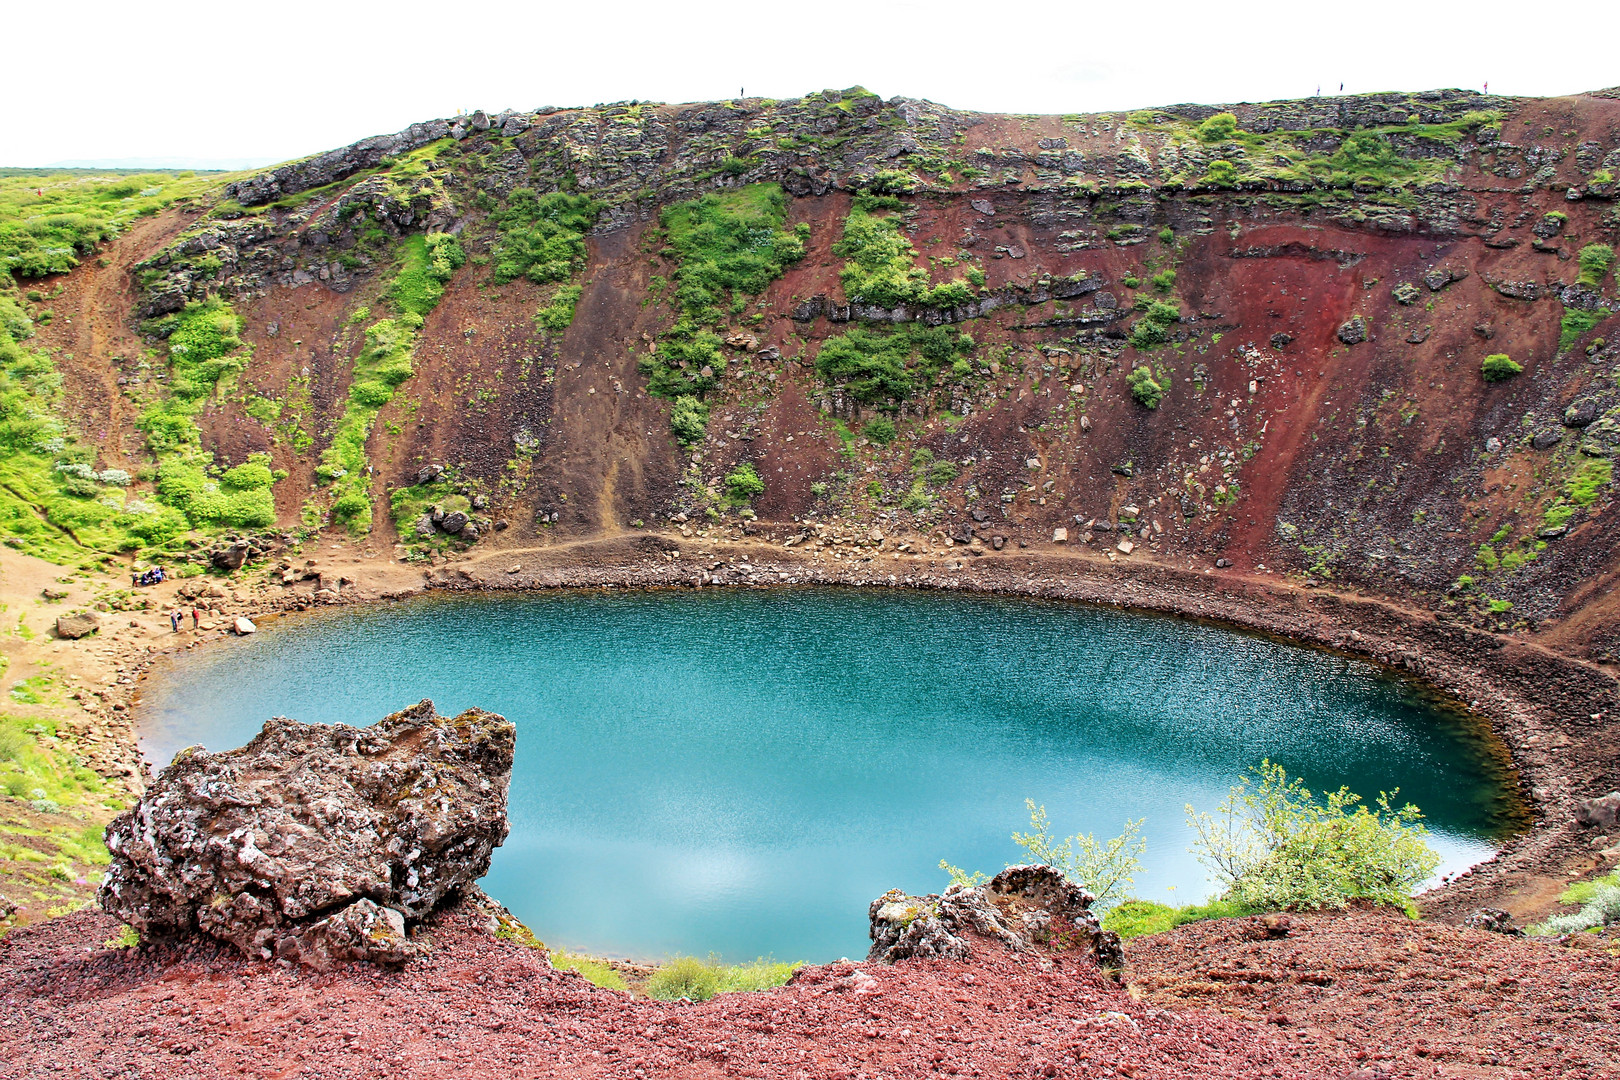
(177, 619)
(148, 577)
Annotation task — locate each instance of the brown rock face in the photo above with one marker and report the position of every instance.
(317, 842)
(1023, 907)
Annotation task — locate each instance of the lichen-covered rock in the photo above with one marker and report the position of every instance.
(1353, 331)
(279, 847)
(1023, 907)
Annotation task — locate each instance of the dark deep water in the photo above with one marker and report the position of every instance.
(742, 771)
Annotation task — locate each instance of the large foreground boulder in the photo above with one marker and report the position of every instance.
(1025, 908)
(315, 842)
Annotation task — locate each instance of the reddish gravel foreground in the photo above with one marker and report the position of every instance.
(479, 1007)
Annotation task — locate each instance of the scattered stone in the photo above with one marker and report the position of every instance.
(998, 542)
(243, 625)
(230, 558)
(1222, 564)
(1353, 331)
(53, 594)
(1419, 335)
(429, 473)
(1125, 547)
(77, 626)
(1060, 536)
(1546, 439)
(1281, 339)
(1581, 413)
(454, 522)
(1602, 812)
(1518, 290)
(1275, 925)
(1405, 293)
(1494, 920)
(312, 824)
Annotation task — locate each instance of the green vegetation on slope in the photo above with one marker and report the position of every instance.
(426, 264)
(542, 238)
(51, 220)
(886, 368)
(699, 980)
(54, 503)
(727, 247)
(880, 263)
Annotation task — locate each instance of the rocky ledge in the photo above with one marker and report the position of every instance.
(1024, 908)
(317, 843)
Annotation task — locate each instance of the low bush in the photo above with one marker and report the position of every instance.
(1596, 259)
(542, 237)
(743, 485)
(1218, 128)
(1134, 918)
(1600, 907)
(699, 980)
(1273, 845)
(1153, 328)
(689, 419)
(880, 430)
(1147, 390)
(1499, 367)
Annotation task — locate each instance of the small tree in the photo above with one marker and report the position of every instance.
(1107, 869)
(689, 419)
(1499, 367)
(1274, 845)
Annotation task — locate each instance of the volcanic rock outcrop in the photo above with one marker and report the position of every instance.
(315, 842)
(1023, 907)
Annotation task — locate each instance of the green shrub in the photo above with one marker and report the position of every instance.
(1167, 235)
(1575, 325)
(880, 266)
(426, 263)
(1600, 907)
(941, 473)
(1218, 128)
(1145, 388)
(1273, 845)
(689, 419)
(558, 315)
(889, 368)
(1596, 259)
(542, 237)
(1165, 281)
(1499, 367)
(743, 485)
(1221, 173)
(881, 430)
(1153, 328)
(729, 243)
(1104, 868)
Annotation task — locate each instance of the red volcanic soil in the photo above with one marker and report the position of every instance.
(1363, 995)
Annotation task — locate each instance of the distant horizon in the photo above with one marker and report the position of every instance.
(278, 98)
(173, 163)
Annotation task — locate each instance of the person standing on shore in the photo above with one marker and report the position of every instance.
(196, 619)
(174, 621)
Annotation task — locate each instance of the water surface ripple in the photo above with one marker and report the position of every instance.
(741, 772)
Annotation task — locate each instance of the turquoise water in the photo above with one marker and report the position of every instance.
(741, 771)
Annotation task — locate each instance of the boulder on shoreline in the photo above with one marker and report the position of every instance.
(77, 626)
(315, 842)
(1023, 907)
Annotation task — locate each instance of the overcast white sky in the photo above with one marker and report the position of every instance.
(186, 79)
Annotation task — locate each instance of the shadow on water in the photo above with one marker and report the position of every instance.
(741, 771)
